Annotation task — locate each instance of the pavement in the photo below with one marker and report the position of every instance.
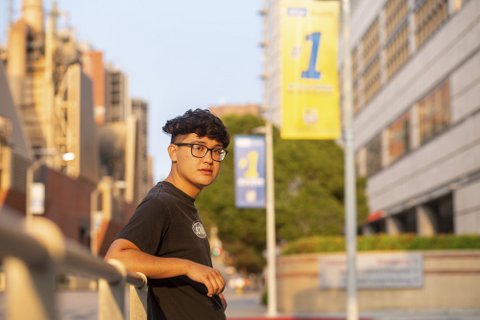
(248, 307)
(78, 305)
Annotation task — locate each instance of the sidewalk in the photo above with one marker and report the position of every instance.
(383, 315)
(248, 307)
(76, 305)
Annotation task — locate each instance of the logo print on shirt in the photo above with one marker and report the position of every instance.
(199, 230)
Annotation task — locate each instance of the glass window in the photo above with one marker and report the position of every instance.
(429, 17)
(374, 155)
(434, 112)
(399, 137)
(371, 61)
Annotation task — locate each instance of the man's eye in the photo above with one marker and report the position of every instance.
(218, 151)
(199, 147)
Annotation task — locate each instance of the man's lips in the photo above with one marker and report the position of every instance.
(206, 171)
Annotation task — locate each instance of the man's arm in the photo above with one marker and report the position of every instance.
(154, 267)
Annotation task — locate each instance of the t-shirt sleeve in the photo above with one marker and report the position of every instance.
(147, 226)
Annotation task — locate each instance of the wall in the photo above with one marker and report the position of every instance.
(451, 280)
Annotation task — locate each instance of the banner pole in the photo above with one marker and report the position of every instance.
(270, 208)
(350, 188)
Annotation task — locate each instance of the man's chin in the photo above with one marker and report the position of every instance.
(205, 183)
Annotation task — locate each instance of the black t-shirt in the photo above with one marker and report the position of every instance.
(167, 224)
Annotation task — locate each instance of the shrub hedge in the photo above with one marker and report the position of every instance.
(383, 242)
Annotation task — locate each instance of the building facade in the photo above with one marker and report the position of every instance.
(66, 122)
(51, 91)
(416, 92)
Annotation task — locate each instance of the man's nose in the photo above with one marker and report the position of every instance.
(209, 156)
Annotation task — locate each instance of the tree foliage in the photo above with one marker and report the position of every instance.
(308, 177)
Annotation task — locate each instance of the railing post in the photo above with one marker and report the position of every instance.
(30, 290)
(111, 296)
(31, 287)
(138, 301)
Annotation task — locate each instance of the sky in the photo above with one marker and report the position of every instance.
(178, 54)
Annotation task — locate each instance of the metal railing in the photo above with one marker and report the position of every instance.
(35, 252)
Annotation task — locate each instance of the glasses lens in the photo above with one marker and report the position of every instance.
(198, 150)
(218, 154)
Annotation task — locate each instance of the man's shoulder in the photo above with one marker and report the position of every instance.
(158, 195)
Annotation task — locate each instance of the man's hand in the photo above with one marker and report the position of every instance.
(210, 277)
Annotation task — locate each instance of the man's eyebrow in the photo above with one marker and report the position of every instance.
(218, 144)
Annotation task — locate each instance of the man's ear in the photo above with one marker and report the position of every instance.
(172, 152)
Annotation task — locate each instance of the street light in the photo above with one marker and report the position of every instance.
(270, 208)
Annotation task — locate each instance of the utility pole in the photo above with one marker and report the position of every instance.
(271, 243)
(350, 189)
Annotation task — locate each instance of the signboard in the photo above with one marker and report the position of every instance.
(37, 198)
(309, 78)
(382, 270)
(249, 158)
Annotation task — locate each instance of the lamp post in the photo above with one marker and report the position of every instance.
(267, 130)
(271, 243)
(350, 192)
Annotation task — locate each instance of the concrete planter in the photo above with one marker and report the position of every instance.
(449, 280)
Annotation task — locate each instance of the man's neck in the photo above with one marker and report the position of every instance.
(181, 185)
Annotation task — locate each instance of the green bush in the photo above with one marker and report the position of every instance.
(383, 242)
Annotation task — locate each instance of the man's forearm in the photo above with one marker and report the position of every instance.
(151, 266)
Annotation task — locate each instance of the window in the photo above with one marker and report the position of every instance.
(396, 35)
(355, 86)
(398, 137)
(374, 155)
(371, 79)
(371, 61)
(434, 112)
(429, 17)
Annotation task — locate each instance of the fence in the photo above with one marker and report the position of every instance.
(34, 253)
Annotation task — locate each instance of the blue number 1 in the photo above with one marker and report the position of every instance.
(311, 73)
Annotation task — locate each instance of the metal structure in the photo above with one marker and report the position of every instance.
(35, 253)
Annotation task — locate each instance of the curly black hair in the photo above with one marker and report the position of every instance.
(201, 122)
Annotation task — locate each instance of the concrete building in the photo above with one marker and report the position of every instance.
(15, 153)
(93, 66)
(117, 99)
(236, 109)
(416, 93)
(271, 60)
(65, 114)
(53, 95)
(143, 173)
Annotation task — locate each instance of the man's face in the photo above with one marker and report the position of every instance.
(194, 173)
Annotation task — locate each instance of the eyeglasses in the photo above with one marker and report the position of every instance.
(200, 151)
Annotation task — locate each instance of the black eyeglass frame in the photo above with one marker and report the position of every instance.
(191, 145)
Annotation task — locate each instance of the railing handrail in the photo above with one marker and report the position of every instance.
(39, 244)
(15, 243)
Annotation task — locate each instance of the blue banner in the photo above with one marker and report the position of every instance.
(249, 158)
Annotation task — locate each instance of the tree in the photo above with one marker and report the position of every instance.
(308, 196)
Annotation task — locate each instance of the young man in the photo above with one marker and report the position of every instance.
(165, 238)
